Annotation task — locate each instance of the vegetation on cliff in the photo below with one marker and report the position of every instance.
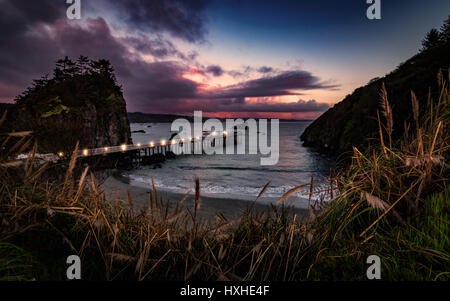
(353, 121)
(77, 83)
(81, 101)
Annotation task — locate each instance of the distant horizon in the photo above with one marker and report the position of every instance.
(207, 116)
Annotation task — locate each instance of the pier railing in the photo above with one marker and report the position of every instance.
(191, 145)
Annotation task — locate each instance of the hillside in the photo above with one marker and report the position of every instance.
(353, 121)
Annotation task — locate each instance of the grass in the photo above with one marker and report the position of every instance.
(15, 263)
(393, 202)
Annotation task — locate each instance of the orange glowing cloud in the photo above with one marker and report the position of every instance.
(194, 75)
(199, 78)
(207, 87)
(273, 99)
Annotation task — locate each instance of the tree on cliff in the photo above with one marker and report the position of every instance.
(431, 40)
(435, 38)
(445, 30)
(83, 65)
(95, 80)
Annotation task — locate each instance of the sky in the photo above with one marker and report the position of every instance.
(233, 58)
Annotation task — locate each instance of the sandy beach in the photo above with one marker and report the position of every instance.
(231, 206)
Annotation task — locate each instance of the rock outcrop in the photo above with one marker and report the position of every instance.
(85, 105)
(92, 126)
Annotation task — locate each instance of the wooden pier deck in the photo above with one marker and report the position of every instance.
(151, 152)
(148, 153)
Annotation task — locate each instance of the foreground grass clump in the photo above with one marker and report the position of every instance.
(393, 202)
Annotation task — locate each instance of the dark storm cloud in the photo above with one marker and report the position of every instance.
(25, 51)
(182, 19)
(235, 73)
(282, 84)
(159, 81)
(265, 69)
(192, 55)
(232, 98)
(215, 70)
(30, 12)
(299, 106)
(157, 47)
(143, 81)
(33, 37)
(31, 52)
(247, 70)
(239, 105)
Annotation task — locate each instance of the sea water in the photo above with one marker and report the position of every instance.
(237, 176)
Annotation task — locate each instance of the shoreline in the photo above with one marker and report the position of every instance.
(117, 187)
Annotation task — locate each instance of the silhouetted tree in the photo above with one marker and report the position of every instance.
(65, 68)
(74, 82)
(431, 40)
(83, 65)
(104, 68)
(445, 30)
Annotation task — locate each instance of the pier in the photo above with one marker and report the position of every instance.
(155, 152)
(152, 152)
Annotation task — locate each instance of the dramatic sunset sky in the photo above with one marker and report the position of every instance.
(286, 59)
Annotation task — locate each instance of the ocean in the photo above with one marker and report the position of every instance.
(236, 176)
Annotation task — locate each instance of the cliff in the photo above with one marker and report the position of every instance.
(353, 121)
(82, 102)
